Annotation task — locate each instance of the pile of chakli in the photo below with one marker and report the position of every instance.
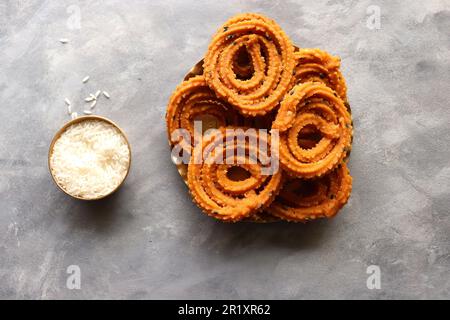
(253, 77)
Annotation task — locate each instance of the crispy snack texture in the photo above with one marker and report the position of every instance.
(193, 99)
(218, 194)
(259, 87)
(312, 106)
(253, 78)
(315, 65)
(303, 200)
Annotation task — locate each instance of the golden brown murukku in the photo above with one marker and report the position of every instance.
(211, 181)
(194, 100)
(254, 78)
(315, 65)
(259, 85)
(302, 200)
(313, 106)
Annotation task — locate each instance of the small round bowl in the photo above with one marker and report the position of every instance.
(63, 129)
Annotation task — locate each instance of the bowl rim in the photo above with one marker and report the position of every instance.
(79, 120)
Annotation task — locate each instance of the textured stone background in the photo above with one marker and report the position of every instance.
(149, 240)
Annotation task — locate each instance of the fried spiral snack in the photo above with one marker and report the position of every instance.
(192, 100)
(253, 78)
(312, 106)
(302, 200)
(270, 65)
(315, 65)
(210, 179)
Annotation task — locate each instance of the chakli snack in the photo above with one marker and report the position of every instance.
(216, 192)
(303, 200)
(309, 106)
(315, 65)
(254, 78)
(272, 62)
(194, 99)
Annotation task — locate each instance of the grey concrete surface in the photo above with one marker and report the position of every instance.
(149, 240)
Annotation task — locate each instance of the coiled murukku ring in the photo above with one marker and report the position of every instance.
(313, 107)
(250, 63)
(301, 200)
(194, 100)
(228, 178)
(315, 65)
